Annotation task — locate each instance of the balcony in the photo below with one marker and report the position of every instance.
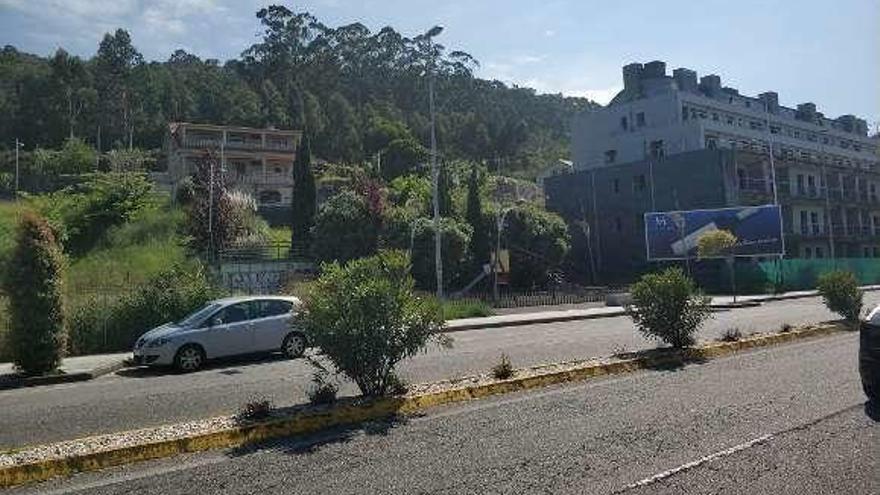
(238, 144)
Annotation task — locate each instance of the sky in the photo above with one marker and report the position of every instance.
(806, 50)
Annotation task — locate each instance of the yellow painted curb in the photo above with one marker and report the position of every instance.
(347, 414)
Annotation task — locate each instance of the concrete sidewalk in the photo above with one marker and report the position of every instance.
(612, 311)
(72, 369)
(88, 367)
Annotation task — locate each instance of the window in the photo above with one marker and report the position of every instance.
(234, 314)
(623, 123)
(639, 183)
(804, 228)
(684, 113)
(657, 149)
(800, 184)
(610, 156)
(270, 197)
(820, 253)
(618, 224)
(866, 252)
(741, 176)
(774, 129)
(277, 170)
(729, 120)
(814, 223)
(711, 143)
(797, 134)
(271, 307)
(615, 186)
(640, 119)
(748, 104)
(714, 116)
(808, 252)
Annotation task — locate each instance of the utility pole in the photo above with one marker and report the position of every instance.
(435, 171)
(18, 144)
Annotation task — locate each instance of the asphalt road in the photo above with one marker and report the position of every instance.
(138, 398)
(600, 437)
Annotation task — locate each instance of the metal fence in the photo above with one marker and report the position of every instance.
(524, 299)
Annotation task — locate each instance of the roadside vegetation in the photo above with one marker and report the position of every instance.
(667, 306)
(366, 318)
(841, 293)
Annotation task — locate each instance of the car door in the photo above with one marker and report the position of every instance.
(231, 331)
(272, 325)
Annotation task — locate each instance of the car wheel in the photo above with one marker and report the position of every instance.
(189, 358)
(294, 345)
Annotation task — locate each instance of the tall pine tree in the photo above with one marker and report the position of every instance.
(303, 202)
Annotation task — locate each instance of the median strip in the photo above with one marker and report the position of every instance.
(42, 462)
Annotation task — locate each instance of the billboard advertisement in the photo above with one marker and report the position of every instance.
(672, 235)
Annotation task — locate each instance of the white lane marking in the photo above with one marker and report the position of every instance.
(698, 462)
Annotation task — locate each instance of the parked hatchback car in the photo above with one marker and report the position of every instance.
(222, 328)
(869, 362)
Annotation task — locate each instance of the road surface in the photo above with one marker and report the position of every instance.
(138, 398)
(780, 420)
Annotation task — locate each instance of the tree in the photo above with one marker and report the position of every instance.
(209, 216)
(304, 198)
(342, 136)
(841, 293)
(34, 284)
(538, 241)
(73, 91)
(114, 63)
(720, 244)
(667, 306)
(366, 318)
(444, 191)
(480, 244)
(344, 229)
(403, 229)
(274, 108)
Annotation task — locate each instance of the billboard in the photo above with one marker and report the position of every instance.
(672, 235)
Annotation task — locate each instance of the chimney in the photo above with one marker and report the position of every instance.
(710, 85)
(685, 79)
(806, 112)
(632, 76)
(771, 101)
(654, 70)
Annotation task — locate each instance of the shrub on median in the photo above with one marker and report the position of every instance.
(667, 306)
(841, 294)
(33, 281)
(366, 318)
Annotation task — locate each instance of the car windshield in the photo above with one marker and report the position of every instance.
(197, 317)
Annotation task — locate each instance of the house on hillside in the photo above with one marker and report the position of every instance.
(257, 161)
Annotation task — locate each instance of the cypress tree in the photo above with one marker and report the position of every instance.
(34, 284)
(480, 239)
(303, 202)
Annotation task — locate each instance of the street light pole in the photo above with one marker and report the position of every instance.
(435, 171)
(18, 145)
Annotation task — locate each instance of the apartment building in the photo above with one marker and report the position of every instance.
(256, 161)
(664, 141)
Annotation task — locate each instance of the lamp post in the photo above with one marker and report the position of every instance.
(435, 171)
(18, 145)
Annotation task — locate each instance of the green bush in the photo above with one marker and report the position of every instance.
(538, 241)
(667, 306)
(344, 229)
(504, 369)
(36, 306)
(841, 293)
(365, 318)
(107, 324)
(465, 308)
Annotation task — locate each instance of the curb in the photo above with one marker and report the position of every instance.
(79, 376)
(357, 412)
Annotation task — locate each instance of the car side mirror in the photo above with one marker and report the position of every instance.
(213, 322)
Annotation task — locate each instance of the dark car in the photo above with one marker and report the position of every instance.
(869, 362)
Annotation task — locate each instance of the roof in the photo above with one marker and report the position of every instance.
(174, 126)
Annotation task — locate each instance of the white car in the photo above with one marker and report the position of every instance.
(225, 327)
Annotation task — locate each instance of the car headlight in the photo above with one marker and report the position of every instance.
(159, 342)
